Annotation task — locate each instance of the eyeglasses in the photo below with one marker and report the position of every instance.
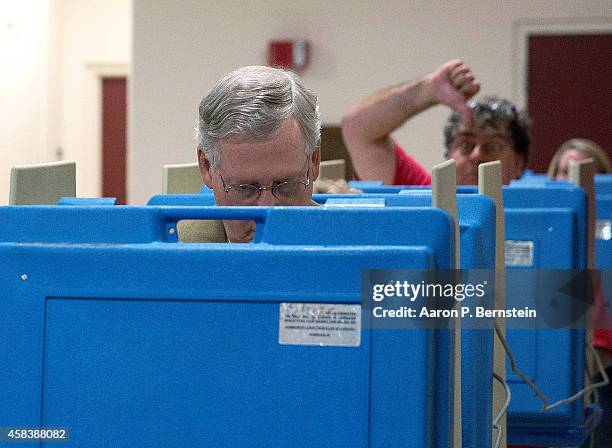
(249, 193)
(466, 146)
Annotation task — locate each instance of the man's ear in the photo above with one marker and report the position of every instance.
(315, 162)
(205, 168)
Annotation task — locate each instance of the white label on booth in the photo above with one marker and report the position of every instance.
(603, 229)
(337, 325)
(519, 253)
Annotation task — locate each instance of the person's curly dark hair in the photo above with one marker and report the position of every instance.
(495, 112)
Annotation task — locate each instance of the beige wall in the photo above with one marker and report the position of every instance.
(182, 47)
(94, 40)
(23, 85)
(48, 81)
(50, 66)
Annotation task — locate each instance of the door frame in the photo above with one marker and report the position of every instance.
(92, 154)
(522, 28)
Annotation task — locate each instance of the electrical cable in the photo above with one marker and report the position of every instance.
(545, 406)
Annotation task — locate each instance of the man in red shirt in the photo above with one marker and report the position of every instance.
(477, 132)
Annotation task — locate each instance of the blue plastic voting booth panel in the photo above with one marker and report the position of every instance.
(202, 199)
(377, 187)
(87, 201)
(365, 183)
(178, 344)
(603, 199)
(476, 215)
(145, 345)
(603, 234)
(552, 217)
(539, 181)
(275, 225)
(603, 184)
(531, 202)
(551, 223)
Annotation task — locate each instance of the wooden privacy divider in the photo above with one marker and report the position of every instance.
(582, 174)
(489, 184)
(444, 196)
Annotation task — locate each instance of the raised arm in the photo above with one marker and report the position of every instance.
(366, 128)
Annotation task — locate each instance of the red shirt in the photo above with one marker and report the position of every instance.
(602, 336)
(408, 171)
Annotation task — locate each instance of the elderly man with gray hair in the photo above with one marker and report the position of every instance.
(258, 142)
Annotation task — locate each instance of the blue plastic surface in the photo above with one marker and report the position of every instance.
(554, 219)
(603, 242)
(86, 201)
(275, 225)
(603, 184)
(365, 183)
(538, 180)
(202, 199)
(158, 344)
(166, 346)
(476, 215)
(553, 215)
(377, 188)
(477, 228)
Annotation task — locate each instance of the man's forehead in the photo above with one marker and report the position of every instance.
(245, 163)
(246, 155)
(284, 144)
(486, 131)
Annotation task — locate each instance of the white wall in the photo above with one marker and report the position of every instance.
(49, 61)
(94, 39)
(181, 48)
(23, 84)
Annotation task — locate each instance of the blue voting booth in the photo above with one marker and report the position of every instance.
(377, 187)
(476, 214)
(477, 233)
(202, 199)
(603, 207)
(546, 229)
(128, 338)
(603, 183)
(603, 232)
(545, 224)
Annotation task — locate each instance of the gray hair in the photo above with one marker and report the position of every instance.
(251, 104)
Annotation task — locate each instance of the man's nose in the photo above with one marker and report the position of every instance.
(476, 154)
(266, 198)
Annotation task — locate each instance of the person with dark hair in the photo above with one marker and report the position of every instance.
(476, 132)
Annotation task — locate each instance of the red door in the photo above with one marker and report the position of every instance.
(570, 92)
(114, 125)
